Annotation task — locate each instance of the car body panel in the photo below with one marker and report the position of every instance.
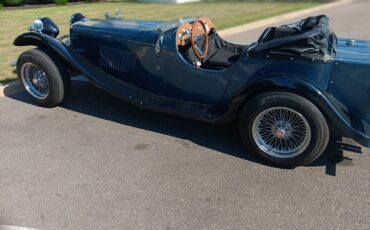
(165, 73)
(254, 69)
(357, 50)
(350, 83)
(154, 76)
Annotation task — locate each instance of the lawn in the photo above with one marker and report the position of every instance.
(223, 14)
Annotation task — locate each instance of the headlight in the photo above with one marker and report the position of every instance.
(44, 25)
(37, 26)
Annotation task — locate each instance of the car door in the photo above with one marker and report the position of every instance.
(182, 80)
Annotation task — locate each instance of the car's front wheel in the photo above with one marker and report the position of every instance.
(43, 76)
(284, 129)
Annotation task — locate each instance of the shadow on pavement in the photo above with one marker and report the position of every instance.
(333, 155)
(86, 99)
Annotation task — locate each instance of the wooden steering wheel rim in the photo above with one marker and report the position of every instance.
(205, 51)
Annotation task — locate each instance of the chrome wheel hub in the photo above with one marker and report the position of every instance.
(281, 132)
(35, 80)
(281, 129)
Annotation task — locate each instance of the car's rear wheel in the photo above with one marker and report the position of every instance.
(284, 129)
(43, 76)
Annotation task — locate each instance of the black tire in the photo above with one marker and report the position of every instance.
(257, 106)
(55, 72)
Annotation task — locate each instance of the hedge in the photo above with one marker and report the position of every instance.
(60, 2)
(13, 2)
(33, 2)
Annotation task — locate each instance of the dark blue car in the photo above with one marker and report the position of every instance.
(290, 90)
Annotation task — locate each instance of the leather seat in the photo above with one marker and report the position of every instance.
(223, 58)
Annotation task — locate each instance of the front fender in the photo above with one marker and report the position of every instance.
(45, 41)
(29, 39)
(74, 60)
(333, 111)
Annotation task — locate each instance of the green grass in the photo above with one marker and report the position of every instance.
(223, 14)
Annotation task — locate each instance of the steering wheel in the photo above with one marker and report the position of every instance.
(196, 32)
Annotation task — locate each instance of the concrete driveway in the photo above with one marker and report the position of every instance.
(98, 163)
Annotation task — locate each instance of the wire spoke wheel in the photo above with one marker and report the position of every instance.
(35, 80)
(281, 132)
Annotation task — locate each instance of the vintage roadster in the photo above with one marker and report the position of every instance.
(290, 90)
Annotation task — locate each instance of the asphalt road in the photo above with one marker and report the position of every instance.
(98, 163)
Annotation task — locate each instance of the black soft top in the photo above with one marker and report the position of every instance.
(309, 39)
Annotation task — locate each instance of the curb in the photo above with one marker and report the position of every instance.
(10, 88)
(269, 21)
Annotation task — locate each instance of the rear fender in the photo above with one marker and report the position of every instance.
(339, 122)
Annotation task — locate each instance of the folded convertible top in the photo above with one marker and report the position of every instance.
(309, 39)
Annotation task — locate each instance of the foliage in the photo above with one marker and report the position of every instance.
(1, 5)
(93, 1)
(13, 2)
(61, 2)
(33, 2)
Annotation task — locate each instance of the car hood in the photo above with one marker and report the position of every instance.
(348, 49)
(129, 30)
(145, 32)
